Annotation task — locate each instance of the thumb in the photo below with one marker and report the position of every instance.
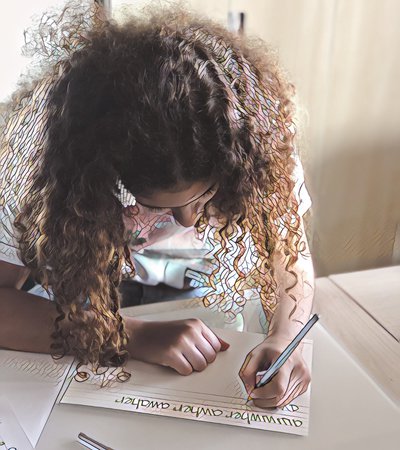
(224, 345)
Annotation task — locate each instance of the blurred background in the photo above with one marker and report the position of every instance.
(342, 56)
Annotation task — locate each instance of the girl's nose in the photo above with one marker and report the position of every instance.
(186, 216)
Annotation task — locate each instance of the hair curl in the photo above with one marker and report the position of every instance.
(164, 97)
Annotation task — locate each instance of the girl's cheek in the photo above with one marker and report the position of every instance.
(136, 218)
(129, 217)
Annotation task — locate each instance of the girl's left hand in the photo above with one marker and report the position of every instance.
(291, 380)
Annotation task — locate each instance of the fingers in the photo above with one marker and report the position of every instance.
(195, 356)
(195, 348)
(211, 338)
(203, 351)
(247, 372)
(181, 364)
(303, 381)
(296, 388)
(216, 342)
(274, 390)
(300, 389)
(224, 345)
(273, 401)
(186, 362)
(295, 392)
(206, 350)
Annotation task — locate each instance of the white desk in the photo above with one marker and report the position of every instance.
(361, 310)
(348, 411)
(377, 292)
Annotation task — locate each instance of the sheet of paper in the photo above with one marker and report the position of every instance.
(31, 382)
(213, 395)
(12, 436)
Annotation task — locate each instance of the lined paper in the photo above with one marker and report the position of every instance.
(31, 383)
(213, 395)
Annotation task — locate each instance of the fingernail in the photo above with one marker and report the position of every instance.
(224, 345)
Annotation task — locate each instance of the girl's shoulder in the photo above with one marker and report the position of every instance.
(300, 189)
(8, 240)
(17, 170)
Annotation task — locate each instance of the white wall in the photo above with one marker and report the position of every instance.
(343, 57)
(15, 16)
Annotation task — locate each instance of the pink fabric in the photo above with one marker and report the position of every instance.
(158, 230)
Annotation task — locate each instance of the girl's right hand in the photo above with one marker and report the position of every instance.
(185, 345)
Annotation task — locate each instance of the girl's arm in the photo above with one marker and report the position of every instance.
(27, 320)
(281, 325)
(294, 377)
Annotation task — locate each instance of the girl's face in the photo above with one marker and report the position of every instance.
(186, 202)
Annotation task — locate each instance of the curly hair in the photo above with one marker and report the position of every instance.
(164, 97)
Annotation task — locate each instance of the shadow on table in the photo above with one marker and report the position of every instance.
(134, 293)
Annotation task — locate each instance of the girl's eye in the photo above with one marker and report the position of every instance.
(156, 210)
(210, 191)
(213, 190)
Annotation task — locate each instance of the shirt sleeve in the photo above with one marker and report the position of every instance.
(300, 189)
(12, 183)
(19, 160)
(8, 242)
(301, 193)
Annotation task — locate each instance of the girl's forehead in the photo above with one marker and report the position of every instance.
(180, 196)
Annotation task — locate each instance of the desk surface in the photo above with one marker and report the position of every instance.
(348, 411)
(377, 291)
(351, 315)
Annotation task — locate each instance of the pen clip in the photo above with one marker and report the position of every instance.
(90, 443)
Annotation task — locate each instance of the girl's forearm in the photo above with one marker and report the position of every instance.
(133, 326)
(285, 323)
(26, 321)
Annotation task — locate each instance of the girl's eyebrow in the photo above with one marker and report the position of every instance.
(188, 203)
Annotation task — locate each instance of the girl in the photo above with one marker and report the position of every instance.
(167, 118)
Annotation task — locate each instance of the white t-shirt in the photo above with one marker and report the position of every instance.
(167, 260)
(157, 266)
